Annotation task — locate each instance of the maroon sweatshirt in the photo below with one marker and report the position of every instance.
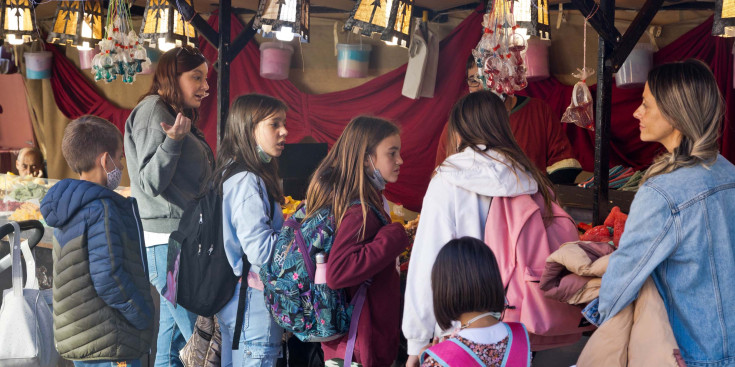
(351, 262)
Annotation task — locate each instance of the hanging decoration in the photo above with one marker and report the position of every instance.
(285, 19)
(78, 23)
(18, 21)
(724, 22)
(580, 111)
(499, 54)
(121, 52)
(164, 25)
(391, 18)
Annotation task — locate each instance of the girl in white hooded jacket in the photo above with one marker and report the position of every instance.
(487, 163)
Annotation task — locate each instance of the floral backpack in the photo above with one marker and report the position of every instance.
(312, 312)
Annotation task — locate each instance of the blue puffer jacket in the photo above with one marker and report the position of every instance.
(102, 304)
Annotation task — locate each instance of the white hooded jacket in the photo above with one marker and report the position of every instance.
(455, 205)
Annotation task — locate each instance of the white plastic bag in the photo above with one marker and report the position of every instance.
(26, 324)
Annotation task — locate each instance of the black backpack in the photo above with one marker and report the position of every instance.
(206, 281)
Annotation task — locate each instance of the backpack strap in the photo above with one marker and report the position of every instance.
(453, 352)
(241, 303)
(518, 351)
(358, 301)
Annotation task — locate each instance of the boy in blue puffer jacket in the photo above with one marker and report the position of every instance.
(103, 310)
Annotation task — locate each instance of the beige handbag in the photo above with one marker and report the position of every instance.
(204, 347)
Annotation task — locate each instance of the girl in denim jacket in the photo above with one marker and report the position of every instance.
(679, 230)
(251, 220)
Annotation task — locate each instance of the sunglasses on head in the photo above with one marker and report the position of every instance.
(188, 49)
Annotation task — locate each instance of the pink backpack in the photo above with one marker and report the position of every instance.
(454, 353)
(521, 242)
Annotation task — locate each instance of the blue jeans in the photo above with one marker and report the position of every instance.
(176, 324)
(128, 363)
(260, 340)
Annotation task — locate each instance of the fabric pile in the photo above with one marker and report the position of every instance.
(640, 334)
(621, 178)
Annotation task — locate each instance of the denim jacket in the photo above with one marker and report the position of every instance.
(681, 231)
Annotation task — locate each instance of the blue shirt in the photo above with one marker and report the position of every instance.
(249, 226)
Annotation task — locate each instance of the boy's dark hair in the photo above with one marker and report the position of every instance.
(465, 278)
(471, 62)
(87, 137)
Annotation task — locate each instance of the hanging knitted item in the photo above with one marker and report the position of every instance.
(499, 54)
(121, 52)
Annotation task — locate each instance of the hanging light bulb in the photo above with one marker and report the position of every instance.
(724, 21)
(285, 19)
(78, 23)
(17, 19)
(163, 25)
(391, 18)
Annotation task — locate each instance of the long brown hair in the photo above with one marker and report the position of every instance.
(341, 177)
(480, 118)
(171, 65)
(237, 151)
(687, 95)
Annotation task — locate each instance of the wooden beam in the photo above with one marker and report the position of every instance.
(604, 24)
(603, 112)
(223, 79)
(634, 32)
(197, 22)
(241, 41)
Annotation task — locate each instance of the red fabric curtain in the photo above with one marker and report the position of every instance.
(324, 116)
(626, 147)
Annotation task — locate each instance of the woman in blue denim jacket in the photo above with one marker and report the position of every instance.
(680, 230)
(251, 220)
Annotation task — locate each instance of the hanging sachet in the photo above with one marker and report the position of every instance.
(580, 111)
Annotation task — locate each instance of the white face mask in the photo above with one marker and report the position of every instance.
(113, 177)
(376, 179)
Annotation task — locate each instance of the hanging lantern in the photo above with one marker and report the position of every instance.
(17, 19)
(78, 23)
(391, 18)
(163, 25)
(399, 23)
(531, 17)
(284, 18)
(724, 22)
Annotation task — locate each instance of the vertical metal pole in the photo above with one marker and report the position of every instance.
(223, 63)
(602, 118)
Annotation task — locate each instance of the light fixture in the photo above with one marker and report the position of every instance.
(285, 19)
(163, 25)
(391, 18)
(398, 31)
(17, 19)
(78, 23)
(531, 17)
(724, 21)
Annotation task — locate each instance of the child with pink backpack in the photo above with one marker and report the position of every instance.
(466, 287)
(487, 166)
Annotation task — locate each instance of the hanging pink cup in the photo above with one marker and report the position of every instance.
(537, 60)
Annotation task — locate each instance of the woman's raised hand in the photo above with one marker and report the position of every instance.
(180, 128)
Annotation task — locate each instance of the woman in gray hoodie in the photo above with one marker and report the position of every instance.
(168, 161)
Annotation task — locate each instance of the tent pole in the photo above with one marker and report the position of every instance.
(602, 118)
(223, 63)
